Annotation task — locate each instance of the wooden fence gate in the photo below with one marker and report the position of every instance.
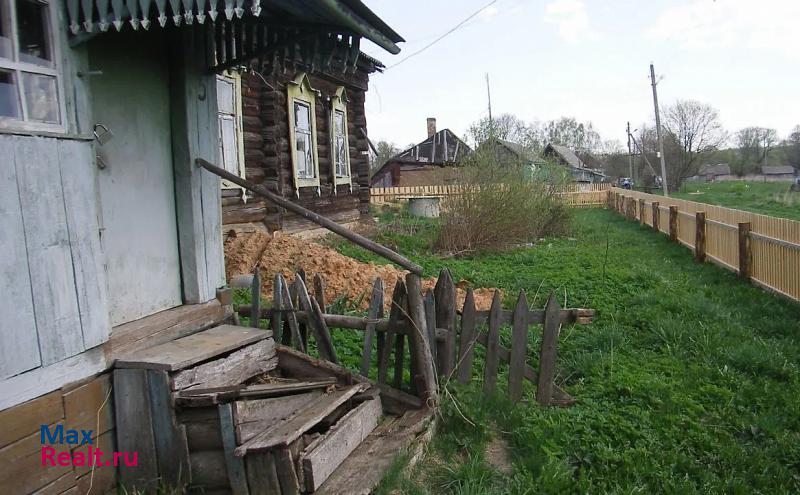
(454, 334)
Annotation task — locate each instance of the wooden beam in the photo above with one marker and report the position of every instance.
(745, 251)
(419, 344)
(313, 217)
(700, 237)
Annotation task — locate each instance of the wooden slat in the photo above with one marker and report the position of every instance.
(294, 337)
(549, 352)
(276, 319)
(82, 403)
(317, 323)
(424, 377)
(700, 237)
(19, 348)
(21, 469)
(184, 352)
(327, 453)
(395, 316)
(430, 320)
(255, 298)
(466, 353)
(236, 470)
(294, 291)
(134, 428)
(170, 439)
(261, 475)
(284, 466)
(399, 356)
(213, 396)
(319, 291)
(445, 294)
(233, 369)
(519, 348)
(258, 415)
(493, 341)
(375, 312)
(291, 429)
(25, 419)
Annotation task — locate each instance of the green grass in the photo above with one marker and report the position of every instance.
(687, 382)
(767, 198)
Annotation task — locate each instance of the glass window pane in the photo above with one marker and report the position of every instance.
(302, 116)
(41, 97)
(341, 157)
(225, 95)
(339, 122)
(5, 32)
(9, 96)
(34, 33)
(230, 157)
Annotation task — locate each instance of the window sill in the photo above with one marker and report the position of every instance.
(45, 133)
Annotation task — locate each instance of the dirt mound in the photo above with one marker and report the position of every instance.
(343, 275)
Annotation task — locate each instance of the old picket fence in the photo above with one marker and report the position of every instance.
(578, 194)
(454, 334)
(760, 248)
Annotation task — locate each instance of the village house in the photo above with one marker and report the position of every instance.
(432, 162)
(111, 234)
(574, 165)
(508, 153)
(778, 173)
(712, 173)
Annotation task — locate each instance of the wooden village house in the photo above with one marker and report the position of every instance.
(112, 235)
(567, 158)
(432, 162)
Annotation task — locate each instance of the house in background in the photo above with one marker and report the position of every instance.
(432, 162)
(507, 153)
(574, 165)
(111, 235)
(711, 173)
(778, 173)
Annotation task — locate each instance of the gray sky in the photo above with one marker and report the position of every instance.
(587, 59)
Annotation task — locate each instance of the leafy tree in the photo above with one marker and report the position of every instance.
(507, 127)
(792, 147)
(754, 145)
(578, 136)
(386, 150)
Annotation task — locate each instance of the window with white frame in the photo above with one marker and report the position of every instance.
(229, 117)
(303, 132)
(339, 140)
(29, 80)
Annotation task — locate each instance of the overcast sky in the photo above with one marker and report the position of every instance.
(587, 59)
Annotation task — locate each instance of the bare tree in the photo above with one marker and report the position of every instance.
(508, 127)
(386, 150)
(754, 145)
(578, 136)
(693, 131)
(792, 145)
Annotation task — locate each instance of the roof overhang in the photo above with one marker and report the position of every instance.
(253, 18)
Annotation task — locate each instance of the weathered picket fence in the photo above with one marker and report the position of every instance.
(575, 194)
(454, 334)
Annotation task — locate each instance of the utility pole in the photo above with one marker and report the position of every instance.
(489, 97)
(658, 131)
(630, 156)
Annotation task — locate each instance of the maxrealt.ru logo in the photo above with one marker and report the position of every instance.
(91, 456)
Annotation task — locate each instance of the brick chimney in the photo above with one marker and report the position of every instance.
(431, 126)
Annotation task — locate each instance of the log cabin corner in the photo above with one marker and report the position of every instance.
(112, 236)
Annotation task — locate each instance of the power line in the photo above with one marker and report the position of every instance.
(453, 29)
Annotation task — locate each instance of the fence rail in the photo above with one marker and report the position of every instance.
(762, 249)
(578, 194)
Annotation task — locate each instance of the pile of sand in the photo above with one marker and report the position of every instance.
(343, 275)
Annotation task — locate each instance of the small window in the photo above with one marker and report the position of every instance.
(340, 148)
(30, 94)
(229, 118)
(303, 132)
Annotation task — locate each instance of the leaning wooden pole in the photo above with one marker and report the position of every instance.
(419, 343)
(314, 217)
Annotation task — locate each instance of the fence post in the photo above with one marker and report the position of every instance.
(419, 344)
(700, 237)
(445, 294)
(745, 251)
(255, 298)
(641, 211)
(673, 223)
(549, 351)
(656, 216)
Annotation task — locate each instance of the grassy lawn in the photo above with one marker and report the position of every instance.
(767, 198)
(687, 382)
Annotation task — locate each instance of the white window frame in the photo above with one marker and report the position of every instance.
(339, 104)
(299, 90)
(17, 67)
(236, 116)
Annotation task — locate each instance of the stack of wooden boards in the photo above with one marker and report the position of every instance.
(214, 413)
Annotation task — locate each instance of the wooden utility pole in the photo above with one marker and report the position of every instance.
(489, 98)
(630, 156)
(658, 131)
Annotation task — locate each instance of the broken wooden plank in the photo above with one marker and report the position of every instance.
(549, 352)
(213, 396)
(235, 465)
(208, 471)
(261, 475)
(374, 313)
(294, 337)
(293, 427)
(236, 368)
(294, 291)
(395, 315)
(323, 456)
(317, 323)
(466, 352)
(258, 415)
(184, 352)
(284, 467)
(134, 429)
(319, 291)
(172, 450)
(492, 343)
(519, 348)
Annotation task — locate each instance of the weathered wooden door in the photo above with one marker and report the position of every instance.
(136, 187)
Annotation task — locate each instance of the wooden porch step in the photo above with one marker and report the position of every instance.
(364, 468)
(292, 428)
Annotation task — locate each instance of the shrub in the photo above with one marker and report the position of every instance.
(502, 206)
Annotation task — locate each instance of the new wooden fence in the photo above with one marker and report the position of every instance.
(579, 194)
(762, 249)
(453, 334)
